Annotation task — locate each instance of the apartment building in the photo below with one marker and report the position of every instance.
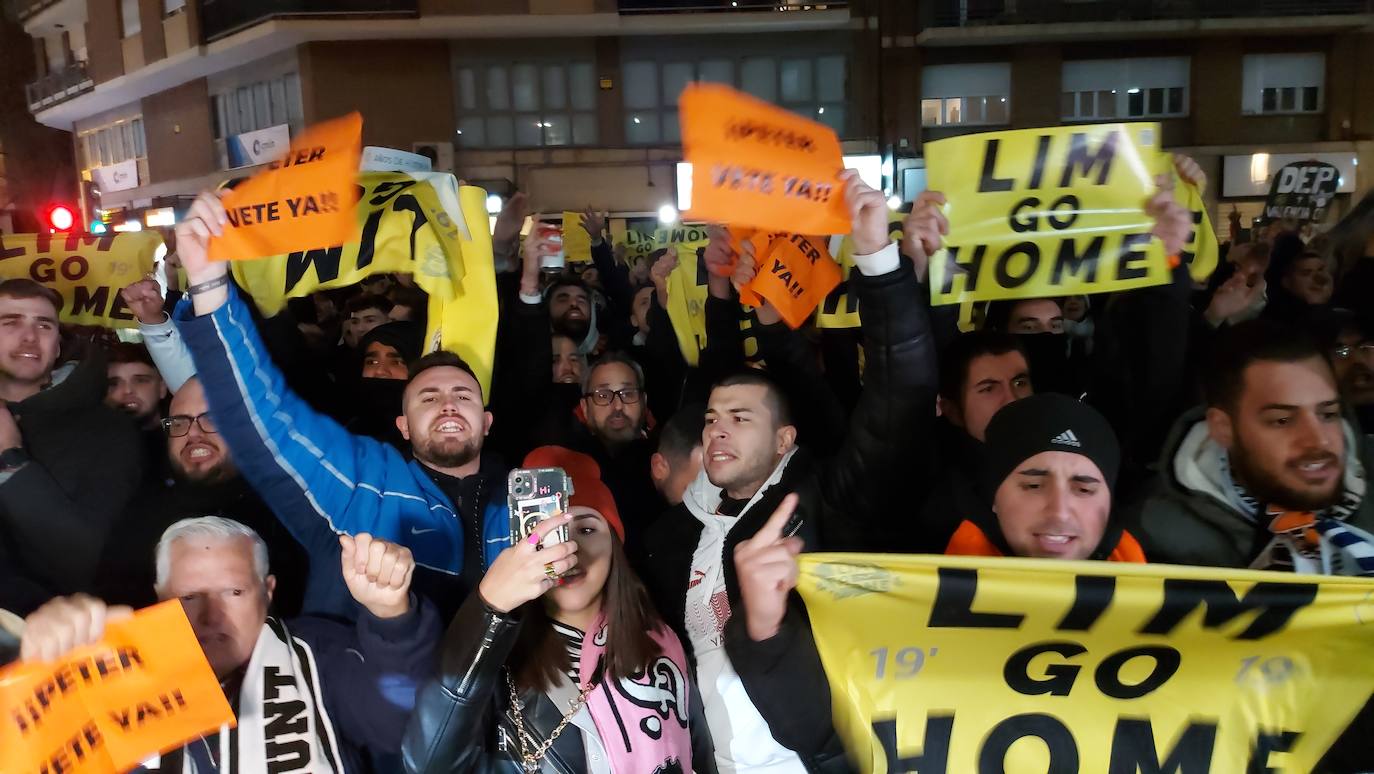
(575, 101)
(1244, 86)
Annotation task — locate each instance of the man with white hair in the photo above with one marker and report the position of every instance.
(331, 690)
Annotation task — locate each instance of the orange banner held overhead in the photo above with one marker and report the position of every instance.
(144, 689)
(754, 164)
(795, 274)
(303, 201)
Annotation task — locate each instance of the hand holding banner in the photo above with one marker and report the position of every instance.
(755, 164)
(1050, 212)
(304, 200)
(962, 664)
(795, 273)
(144, 688)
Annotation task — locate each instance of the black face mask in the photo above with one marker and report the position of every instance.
(1365, 415)
(376, 405)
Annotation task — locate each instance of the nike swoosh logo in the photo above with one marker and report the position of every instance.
(415, 531)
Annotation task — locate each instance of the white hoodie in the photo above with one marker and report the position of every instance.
(743, 741)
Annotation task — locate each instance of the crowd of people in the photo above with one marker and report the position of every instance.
(329, 502)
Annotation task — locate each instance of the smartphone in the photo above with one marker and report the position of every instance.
(556, 261)
(535, 494)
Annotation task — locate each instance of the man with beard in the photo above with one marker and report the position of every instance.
(1351, 344)
(68, 462)
(136, 388)
(1271, 476)
(203, 479)
(571, 312)
(134, 385)
(447, 504)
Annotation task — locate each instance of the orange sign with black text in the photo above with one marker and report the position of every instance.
(144, 689)
(303, 200)
(795, 273)
(755, 164)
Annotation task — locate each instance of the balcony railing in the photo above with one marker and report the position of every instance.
(58, 87)
(23, 10)
(969, 13)
(219, 18)
(627, 7)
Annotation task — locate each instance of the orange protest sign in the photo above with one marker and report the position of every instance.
(795, 274)
(145, 688)
(754, 164)
(303, 201)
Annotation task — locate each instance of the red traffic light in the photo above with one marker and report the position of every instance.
(60, 218)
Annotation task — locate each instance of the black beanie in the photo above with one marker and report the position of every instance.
(1047, 422)
(404, 336)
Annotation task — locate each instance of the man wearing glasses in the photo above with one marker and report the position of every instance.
(1352, 357)
(204, 481)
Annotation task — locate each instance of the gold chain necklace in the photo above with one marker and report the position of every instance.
(530, 759)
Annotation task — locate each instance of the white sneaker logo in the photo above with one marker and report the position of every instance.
(1067, 438)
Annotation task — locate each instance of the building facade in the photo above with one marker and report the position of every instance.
(575, 101)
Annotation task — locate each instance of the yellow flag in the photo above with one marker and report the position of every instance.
(468, 321)
(577, 245)
(687, 293)
(840, 309)
(963, 664)
(87, 271)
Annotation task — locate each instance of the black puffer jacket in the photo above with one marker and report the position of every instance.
(86, 462)
(463, 721)
(845, 500)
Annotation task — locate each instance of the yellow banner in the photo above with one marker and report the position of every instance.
(1047, 212)
(687, 292)
(415, 223)
(468, 321)
(577, 245)
(88, 271)
(961, 664)
(840, 309)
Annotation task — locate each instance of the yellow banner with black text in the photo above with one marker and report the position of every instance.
(416, 223)
(1037, 213)
(87, 271)
(961, 664)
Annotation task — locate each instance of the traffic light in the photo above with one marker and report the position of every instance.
(59, 217)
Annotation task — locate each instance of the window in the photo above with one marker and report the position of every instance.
(810, 86)
(966, 95)
(113, 143)
(170, 7)
(259, 105)
(526, 104)
(1283, 83)
(1147, 87)
(128, 14)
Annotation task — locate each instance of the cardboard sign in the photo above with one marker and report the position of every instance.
(87, 271)
(794, 274)
(1303, 191)
(417, 223)
(758, 165)
(303, 200)
(144, 689)
(958, 664)
(1038, 213)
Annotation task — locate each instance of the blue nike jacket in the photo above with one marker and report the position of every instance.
(318, 478)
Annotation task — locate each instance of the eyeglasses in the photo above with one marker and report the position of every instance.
(180, 425)
(628, 396)
(1345, 350)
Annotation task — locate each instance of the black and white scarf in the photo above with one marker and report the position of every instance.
(283, 725)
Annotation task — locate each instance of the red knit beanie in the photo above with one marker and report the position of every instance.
(588, 490)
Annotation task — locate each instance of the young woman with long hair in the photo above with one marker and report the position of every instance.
(558, 662)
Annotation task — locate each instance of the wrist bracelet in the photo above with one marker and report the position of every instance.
(209, 285)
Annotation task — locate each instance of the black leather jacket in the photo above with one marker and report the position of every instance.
(463, 721)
